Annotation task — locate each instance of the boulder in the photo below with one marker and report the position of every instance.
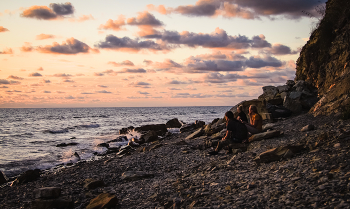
(150, 136)
(295, 95)
(195, 134)
(199, 124)
(278, 111)
(159, 128)
(173, 123)
(278, 153)
(135, 175)
(269, 92)
(93, 184)
(188, 127)
(3, 178)
(103, 200)
(284, 88)
(125, 150)
(126, 130)
(133, 143)
(60, 203)
(214, 127)
(28, 176)
(292, 105)
(276, 101)
(290, 83)
(264, 135)
(103, 145)
(47, 192)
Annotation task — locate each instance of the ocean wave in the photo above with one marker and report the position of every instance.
(59, 131)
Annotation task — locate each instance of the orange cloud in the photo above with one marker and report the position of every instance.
(161, 9)
(124, 63)
(7, 51)
(2, 29)
(82, 18)
(115, 25)
(44, 36)
(39, 12)
(27, 47)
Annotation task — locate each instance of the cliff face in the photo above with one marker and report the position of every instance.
(325, 60)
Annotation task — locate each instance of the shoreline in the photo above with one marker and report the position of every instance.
(171, 174)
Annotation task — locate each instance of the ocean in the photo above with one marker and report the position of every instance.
(29, 136)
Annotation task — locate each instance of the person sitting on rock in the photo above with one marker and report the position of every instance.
(255, 125)
(241, 115)
(236, 132)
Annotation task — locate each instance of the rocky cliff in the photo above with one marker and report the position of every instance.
(325, 60)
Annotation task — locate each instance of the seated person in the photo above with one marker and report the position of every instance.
(241, 115)
(236, 133)
(255, 125)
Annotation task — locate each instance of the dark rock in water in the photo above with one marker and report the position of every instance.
(159, 128)
(119, 139)
(150, 136)
(103, 200)
(73, 137)
(173, 123)
(3, 178)
(28, 176)
(65, 145)
(47, 192)
(76, 155)
(60, 203)
(93, 184)
(135, 175)
(103, 145)
(199, 123)
(126, 130)
(278, 153)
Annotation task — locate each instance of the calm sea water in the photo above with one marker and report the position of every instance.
(28, 137)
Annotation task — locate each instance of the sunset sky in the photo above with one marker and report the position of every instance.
(113, 53)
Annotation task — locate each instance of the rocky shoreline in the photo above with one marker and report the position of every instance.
(172, 173)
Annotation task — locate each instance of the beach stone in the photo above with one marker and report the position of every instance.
(278, 153)
(60, 203)
(173, 123)
(135, 175)
(28, 176)
(268, 126)
(3, 178)
(150, 136)
(195, 134)
(309, 127)
(104, 200)
(159, 128)
(264, 135)
(47, 192)
(93, 184)
(337, 145)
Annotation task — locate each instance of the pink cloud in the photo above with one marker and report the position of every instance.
(7, 51)
(115, 25)
(2, 29)
(124, 63)
(44, 36)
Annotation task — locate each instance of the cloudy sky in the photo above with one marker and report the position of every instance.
(113, 53)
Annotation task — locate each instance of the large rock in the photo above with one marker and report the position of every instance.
(159, 128)
(28, 176)
(215, 127)
(103, 200)
(293, 105)
(265, 135)
(135, 175)
(3, 178)
(47, 192)
(278, 153)
(173, 123)
(283, 88)
(278, 111)
(126, 130)
(60, 203)
(150, 136)
(324, 60)
(119, 139)
(269, 92)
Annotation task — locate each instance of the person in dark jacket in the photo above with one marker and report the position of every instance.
(241, 115)
(236, 132)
